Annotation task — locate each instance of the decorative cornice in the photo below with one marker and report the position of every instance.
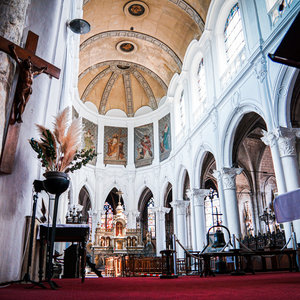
(133, 34)
(191, 12)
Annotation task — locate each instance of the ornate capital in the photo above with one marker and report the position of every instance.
(228, 176)
(269, 138)
(161, 211)
(198, 195)
(286, 141)
(181, 206)
(217, 174)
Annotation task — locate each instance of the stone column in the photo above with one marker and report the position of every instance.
(287, 150)
(161, 228)
(217, 174)
(94, 216)
(190, 195)
(12, 19)
(180, 216)
(270, 139)
(199, 196)
(229, 185)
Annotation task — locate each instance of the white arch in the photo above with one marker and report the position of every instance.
(227, 136)
(180, 181)
(282, 95)
(189, 55)
(163, 190)
(118, 186)
(197, 166)
(140, 192)
(91, 192)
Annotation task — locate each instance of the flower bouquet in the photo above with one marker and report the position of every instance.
(60, 150)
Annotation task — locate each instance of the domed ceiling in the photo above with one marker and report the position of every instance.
(133, 50)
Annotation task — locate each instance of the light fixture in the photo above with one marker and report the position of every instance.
(79, 26)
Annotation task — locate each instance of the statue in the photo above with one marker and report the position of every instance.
(24, 89)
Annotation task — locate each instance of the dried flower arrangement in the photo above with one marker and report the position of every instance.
(60, 150)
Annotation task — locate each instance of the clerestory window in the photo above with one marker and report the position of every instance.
(233, 34)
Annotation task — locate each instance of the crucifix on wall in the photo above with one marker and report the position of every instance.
(30, 65)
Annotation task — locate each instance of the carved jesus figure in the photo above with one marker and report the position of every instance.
(24, 89)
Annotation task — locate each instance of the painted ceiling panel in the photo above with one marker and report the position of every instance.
(134, 48)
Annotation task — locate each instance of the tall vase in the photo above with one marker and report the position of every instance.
(55, 183)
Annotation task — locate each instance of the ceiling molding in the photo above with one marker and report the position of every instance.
(133, 34)
(147, 88)
(91, 85)
(123, 63)
(107, 90)
(128, 94)
(191, 12)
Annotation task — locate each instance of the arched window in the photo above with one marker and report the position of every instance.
(212, 209)
(233, 34)
(201, 81)
(151, 217)
(182, 110)
(107, 217)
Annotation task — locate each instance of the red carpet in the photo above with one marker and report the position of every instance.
(260, 286)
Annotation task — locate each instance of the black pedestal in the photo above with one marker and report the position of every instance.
(168, 255)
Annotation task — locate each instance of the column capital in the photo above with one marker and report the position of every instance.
(198, 195)
(181, 206)
(228, 176)
(217, 174)
(286, 140)
(161, 211)
(269, 137)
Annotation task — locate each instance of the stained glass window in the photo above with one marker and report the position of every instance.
(201, 81)
(233, 33)
(181, 108)
(107, 217)
(151, 217)
(212, 206)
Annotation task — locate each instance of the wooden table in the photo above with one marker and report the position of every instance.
(65, 233)
(248, 255)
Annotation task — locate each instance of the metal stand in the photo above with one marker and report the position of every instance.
(38, 187)
(50, 246)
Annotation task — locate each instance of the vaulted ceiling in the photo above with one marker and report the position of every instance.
(133, 50)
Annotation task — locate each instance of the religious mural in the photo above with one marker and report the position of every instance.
(90, 137)
(143, 145)
(164, 133)
(115, 145)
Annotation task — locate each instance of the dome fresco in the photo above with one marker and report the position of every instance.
(133, 50)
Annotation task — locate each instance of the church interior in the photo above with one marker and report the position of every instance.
(148, 140)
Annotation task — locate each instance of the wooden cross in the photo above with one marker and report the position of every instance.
(13, 130)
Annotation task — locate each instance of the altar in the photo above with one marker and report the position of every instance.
(113, 240)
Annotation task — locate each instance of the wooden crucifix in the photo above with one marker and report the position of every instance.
(30, 65)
